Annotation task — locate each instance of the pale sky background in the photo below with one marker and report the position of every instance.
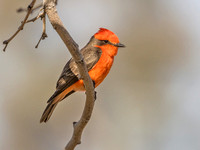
(150, 99)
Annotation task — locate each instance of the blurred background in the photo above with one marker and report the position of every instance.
(149, 101)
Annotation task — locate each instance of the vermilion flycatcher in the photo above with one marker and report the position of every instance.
(98, 55)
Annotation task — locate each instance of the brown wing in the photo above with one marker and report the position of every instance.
(70, 74)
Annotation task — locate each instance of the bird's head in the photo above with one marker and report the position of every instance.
(107, 41)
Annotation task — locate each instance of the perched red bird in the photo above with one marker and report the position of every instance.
(98, 55)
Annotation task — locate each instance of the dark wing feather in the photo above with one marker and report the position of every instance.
(66, 79)
(70, 74)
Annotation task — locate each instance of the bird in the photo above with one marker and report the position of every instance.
(98, 55)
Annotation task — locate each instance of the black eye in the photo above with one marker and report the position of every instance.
(105, 41)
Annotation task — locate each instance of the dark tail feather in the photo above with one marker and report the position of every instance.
(48, 112)
(50, 107)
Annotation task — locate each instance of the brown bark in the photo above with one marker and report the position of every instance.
(50, 9)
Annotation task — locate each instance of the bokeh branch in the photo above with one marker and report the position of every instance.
(34, 8)
(50, 9)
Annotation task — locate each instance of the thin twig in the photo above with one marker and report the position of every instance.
(44, 35)
(29, 8)
(40, 15)
(50, 9)
(19, 10)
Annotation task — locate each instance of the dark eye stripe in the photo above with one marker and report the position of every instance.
(104, 42)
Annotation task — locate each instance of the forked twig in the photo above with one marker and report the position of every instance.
(40, 15)
(29, 9)
(19, 10)
(44, 35)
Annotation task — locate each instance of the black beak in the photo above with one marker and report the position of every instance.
(119, 45)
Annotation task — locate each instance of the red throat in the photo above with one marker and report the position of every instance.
(110, 50)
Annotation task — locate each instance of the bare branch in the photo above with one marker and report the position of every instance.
(50, 9)
(29, 9)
